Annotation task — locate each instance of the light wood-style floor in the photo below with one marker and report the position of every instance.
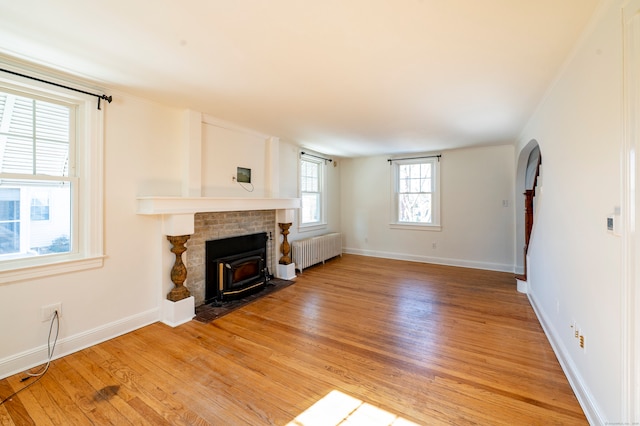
(355, 341)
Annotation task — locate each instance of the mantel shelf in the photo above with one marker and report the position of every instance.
(192, 205)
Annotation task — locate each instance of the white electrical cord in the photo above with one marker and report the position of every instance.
(45, 367)
(242, 184)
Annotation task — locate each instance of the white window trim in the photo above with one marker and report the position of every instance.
(394, 223)
(322, 224)
(88, 216)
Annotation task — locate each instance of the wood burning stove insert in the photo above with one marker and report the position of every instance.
(235, 267)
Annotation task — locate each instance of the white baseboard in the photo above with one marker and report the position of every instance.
(67, 345)
(580, 389)
(500, 267)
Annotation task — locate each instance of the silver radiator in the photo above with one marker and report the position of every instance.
(309, 251)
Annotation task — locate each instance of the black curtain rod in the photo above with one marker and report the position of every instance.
(105, 97)
(315, 156)
(414, 158)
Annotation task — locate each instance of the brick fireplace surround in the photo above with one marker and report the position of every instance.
(198, 219)
(217, 225)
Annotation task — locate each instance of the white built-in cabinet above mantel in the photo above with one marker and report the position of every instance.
(178, 212)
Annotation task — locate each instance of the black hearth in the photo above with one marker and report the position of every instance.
(235, 267)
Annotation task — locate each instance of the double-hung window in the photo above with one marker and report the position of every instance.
(312, 186)
(50, 181)
(415, 195)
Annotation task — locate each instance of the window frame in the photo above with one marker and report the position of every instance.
(322, 178)
(87, 174)
(395, 222)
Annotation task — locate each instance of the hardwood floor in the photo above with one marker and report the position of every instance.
(376, 341)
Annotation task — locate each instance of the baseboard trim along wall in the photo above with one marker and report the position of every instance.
(500, 267)
(582, 392)
(67, 345)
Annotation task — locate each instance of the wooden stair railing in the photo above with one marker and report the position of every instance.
(529, 195)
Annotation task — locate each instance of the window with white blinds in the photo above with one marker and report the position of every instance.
(46, 216)
(36, 137)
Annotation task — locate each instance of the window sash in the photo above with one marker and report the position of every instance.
(85, 163)
(311, 191)
(415, 208)
(415, 192)
(36, 135)
(310, 207)
(36, 237)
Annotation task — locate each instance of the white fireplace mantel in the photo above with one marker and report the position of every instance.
(178, 212)
(184, 205)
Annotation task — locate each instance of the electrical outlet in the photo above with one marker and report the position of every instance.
(434, 245)
(46, 312)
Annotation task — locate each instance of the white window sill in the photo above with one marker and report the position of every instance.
(310, 228)
(415, 227)
(44, 270)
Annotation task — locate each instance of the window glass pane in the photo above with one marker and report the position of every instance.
(21, 111)
(52, 139)
(426, 170)
(9, 204)
(9, 237)
(35, 136)
(309, 184)
(415, 185)
(414, 208)
(415, 171)
(9, 220)
(415, 178)
(52, 122)
(404, 171)
(309, 179)
(404, 185)
(51, 158)
(40, 206)
(425, 185)
(47, 229)
(17, 156)
(310, 207)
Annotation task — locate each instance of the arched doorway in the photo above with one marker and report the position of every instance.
(528, 170)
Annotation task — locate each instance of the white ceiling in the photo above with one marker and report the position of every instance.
(345, 77)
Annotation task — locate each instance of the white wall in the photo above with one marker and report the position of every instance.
(289, 156)
(574, 263)
(223, 151)
(141, 154)
(477, 230)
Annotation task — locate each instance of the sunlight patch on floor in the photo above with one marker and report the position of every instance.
(337, 408)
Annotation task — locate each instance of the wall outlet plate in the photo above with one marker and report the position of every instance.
(46, 312)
